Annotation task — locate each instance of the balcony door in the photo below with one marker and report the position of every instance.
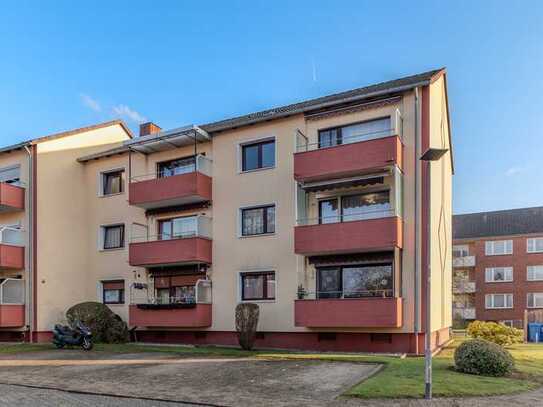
(176, 167)
(355, 207)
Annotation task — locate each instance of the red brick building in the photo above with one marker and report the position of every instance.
(497, 265)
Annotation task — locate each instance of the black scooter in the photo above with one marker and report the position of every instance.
(79, 336)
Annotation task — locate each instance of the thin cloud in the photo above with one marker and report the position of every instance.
(314, 70)
(90, 102)
(513, 171)
(125, 111)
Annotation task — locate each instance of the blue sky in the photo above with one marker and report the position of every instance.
(65, 65)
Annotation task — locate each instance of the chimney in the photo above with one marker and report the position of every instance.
(148, 128)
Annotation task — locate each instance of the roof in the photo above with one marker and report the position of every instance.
(355, 95)
(66, 134)
(498, 223)
(397, 85)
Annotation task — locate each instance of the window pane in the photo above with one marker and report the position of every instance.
(270, 226)
(184, 294)
(364, 281)
(488, 301)
(328, 211)
(112, 296)
(499, 301)
(366, 131)
(535, 245)
(165, 229)
(250, 157)
(163, 295)
(176, 167)
(328, 138)
(112, 182)
(185, 227)
(329, 283)
(253, 287)
(509, 300)
(271, 286)
(366, 206)
(252, 221)
(535, 272)
(113, 237)
(268, 154)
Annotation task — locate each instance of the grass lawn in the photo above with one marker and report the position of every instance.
(400, 378)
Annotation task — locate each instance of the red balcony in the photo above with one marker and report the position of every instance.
(348, 237)
(195, 316)
(348, 160)
(170, 252)
(12, 197)
(12, 257)
(12, 315)
(182, 189)
(349, 313)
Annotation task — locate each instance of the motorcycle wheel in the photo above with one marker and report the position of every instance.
(87, 344)
(59, 345)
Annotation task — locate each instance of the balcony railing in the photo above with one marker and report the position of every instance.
(12, 196)
(183, 185)
(319, 295)
(464, 261)
(149, 310)
(365, 231)
(464, 287)
(359, 312)
(464, 313)
(12, 299)
(12, 251)
(191, 246)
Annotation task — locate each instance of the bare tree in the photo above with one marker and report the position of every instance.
(246, 323)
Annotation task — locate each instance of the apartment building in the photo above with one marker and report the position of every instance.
(498, 265)
(321, 212)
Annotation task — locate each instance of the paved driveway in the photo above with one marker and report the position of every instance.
(215, 381)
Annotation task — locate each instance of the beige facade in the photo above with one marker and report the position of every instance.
(72, 265)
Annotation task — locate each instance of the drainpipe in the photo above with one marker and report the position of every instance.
(417, 225)
(30, 247)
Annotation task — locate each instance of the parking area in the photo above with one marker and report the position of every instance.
(212, 381)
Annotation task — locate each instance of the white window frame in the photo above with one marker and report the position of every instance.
(257, 140)
(534, 305)
(101, 182)
(534, 270)
(533, 242)
(492, 296)
(492, 270)
(508, 322)
(464, 248)
(240, 220)
(490, 249)
(257, 271)
(102, 237)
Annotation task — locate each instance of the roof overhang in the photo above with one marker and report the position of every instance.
(165, 140)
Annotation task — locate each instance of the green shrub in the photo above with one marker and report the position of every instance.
(481, 357)
(497, 333)
(105, 325)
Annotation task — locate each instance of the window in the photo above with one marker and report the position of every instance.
(113, 292)
(258, 286)
(535, 300)
(535, 273)
(178, 228)
(499, 301)
(508, 322)
(258, 155)
(112, 182)
(258, 221)
(176, 167)
(374, 280)
(498, 274)
(176, 288)
(113, 236)
(535, 245)
(355, 132)
(498, 247)
(10, 175)
(355, 207)
(460, 251)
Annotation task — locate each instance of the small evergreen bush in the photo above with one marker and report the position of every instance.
(105, 325)
(484, 358)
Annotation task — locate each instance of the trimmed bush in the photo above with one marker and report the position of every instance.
(246, 322)
(484, 358)
(105, 325)
(496, 333)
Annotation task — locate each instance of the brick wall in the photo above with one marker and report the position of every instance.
(520, 287)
